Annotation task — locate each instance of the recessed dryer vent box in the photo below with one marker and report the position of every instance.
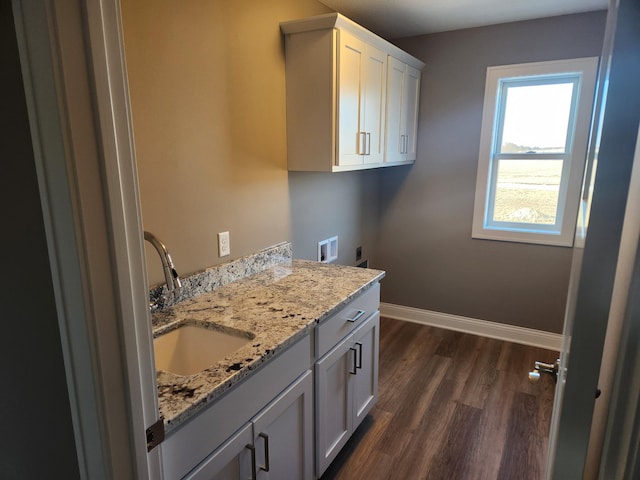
(328, 250)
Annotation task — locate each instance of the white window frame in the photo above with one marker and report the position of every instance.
(583, 71)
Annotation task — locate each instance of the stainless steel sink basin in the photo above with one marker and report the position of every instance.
(190, 348)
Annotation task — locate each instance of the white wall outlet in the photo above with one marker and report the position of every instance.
(224, 244)
(328, 250)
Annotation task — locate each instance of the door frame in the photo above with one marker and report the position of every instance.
(74, 74)
(614, 141)
(621, 458)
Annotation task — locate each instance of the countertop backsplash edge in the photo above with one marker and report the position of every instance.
(219, 275)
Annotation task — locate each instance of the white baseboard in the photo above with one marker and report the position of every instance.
(500, 331)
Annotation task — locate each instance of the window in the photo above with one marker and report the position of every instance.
(533, 146)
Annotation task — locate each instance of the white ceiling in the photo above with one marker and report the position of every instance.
(403, 18)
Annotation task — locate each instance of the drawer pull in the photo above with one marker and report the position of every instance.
(355, 364)
(266, 451)
(356, 316)
(252, 449)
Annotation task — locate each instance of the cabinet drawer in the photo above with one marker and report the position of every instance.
(339, 325)
(228, 460)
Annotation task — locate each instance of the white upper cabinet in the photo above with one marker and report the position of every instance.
(403, 92)
(338, 94)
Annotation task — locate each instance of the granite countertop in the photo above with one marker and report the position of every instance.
(279, 305)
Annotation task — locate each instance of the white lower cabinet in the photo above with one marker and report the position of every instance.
(283, 434)
(265, 426)
(276, 444)
(346, 389)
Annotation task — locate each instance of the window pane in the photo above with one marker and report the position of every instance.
(536, 118)
(527, 191)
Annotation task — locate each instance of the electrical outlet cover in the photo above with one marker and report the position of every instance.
(328, 250)
(224, 244)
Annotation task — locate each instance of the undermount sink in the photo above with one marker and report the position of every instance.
(191, 348)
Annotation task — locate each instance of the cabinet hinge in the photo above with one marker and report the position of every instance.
(155, 434)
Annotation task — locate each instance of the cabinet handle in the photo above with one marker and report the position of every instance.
(252, 449)
(362, 143)
(368, 143)
(355, 365)
(402, 143)
(356, 316)
(406, 143)
(359, 362)
(266, 451)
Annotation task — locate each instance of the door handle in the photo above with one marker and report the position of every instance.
(355, 362)
(252, 449)
(266, 451)
(362, 143)
(548, 368)
(359, 362)
(368, 143)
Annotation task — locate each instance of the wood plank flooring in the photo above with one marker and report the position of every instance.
(451, 406)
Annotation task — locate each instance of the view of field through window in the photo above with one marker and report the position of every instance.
(527, 191)
(536, 121)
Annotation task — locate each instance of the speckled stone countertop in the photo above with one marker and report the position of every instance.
(278, 305)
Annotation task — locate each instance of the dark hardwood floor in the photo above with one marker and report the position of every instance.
(451, 406)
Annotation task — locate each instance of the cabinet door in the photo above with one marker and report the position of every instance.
(374, 105)
(396, 97)
(411, 117)
(334, 402)
(362, 91)
(365, 383)
(283, 433)
(231, 461)
(351, 136)
(403, 90)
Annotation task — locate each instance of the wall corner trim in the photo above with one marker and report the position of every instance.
(474, 326)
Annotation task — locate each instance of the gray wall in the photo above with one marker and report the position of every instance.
(324, 205)
(426, 210)
(37, 437)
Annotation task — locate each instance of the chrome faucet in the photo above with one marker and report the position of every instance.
(170, 274)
